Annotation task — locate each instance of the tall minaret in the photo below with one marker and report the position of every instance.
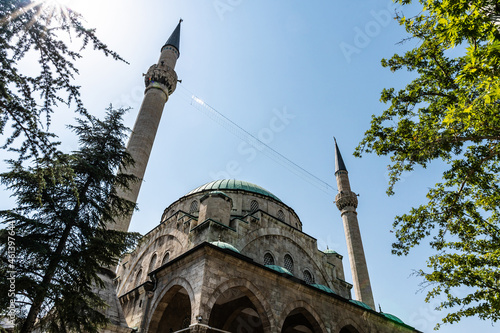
(161, 81)
(347, 202)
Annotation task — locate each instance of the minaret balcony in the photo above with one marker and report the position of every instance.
(346, 199)
(161, 74)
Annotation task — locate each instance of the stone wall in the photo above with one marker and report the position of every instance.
(210, 277)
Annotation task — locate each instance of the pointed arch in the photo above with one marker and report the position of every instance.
(301, 313)
(235, 287)
(193, 208)
(164, 297)
(138, 278)
(166, 258)
(152, 262)
(268, 259)
(349, 329)
(348, 325)
(138, 260)
(288, 262)
(262, 233)
(254, 206)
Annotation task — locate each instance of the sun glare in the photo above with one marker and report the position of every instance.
(62, 5)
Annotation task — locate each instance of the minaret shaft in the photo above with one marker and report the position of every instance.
(359, 269)
(140, 145)
(347, 202)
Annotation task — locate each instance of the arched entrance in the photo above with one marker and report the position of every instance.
(349, 329)
(176, 314)
(234, 311)
(300, 320)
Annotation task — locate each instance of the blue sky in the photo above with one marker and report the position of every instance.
(311, 67)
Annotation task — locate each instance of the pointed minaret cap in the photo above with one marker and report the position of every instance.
(175, 38)
(339, 162)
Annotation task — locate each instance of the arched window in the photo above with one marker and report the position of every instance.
(152, 263)
(166, 257)
(308, 277)
(254, 206)
(268, 259)
(289, 263)
(194, 207)
(138, 277)
(281, 215)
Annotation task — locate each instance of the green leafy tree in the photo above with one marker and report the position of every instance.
(449, 112)
(40, 30)
(64, 205)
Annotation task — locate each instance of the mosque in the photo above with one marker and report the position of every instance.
(230, 256)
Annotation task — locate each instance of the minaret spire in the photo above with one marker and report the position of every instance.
(161, 81)
(347, 202)
(175, 38)
(339, 162)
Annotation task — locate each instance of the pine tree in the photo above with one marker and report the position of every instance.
(64, 203)
(39, 29)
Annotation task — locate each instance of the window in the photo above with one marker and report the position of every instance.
(289, 263)
(165, 258)
(152, 263)
(268, 259)
(254, 206)
(281, 215)
(194, 207)
(308, 277)
(138, 277)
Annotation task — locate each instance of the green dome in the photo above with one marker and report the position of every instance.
(279, 269)
(233, 184)
(328, 251)
(392, 317)
(363, 305)
(224, 245)
(322, 287)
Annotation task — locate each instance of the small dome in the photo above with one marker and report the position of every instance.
(233, 184)
(279, 269)
(328, 251)
(359, 303)
(224, 245)
(392, 317)
(322, 287)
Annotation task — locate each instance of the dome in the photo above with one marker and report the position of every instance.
(279, 269)
(328, 251)
(224, 245)
(323, 288)
(392, 317)
(361, 304)
(233, 184)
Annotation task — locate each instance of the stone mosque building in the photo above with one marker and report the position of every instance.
(230, 256)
